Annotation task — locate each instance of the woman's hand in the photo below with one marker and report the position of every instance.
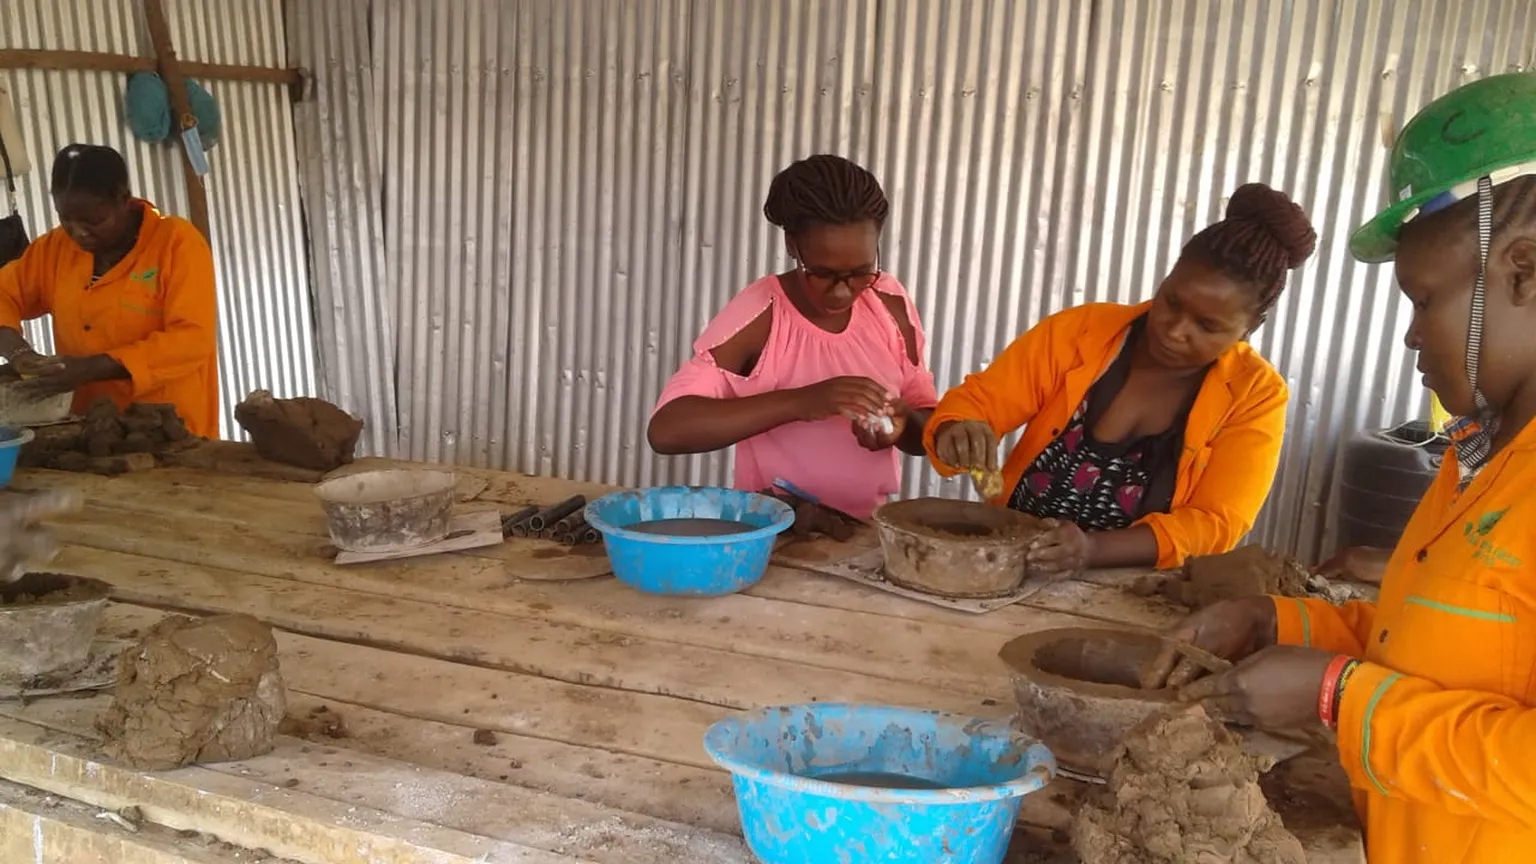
(1064, 548)
(874, 436)
(1232, 630)
(29, 364)
(850, 396)
(23, 541)
(71, 373)
(967, 445)
(1357, 564)
(1277, 688)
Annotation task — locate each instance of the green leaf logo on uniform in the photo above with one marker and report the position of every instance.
(1488, 521)
(148, 278)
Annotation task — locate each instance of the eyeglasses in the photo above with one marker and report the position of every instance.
(826, 280)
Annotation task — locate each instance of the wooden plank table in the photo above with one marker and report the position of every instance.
(596, 697)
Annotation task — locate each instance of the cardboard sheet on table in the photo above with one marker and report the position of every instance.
(466, 531)
(868, 568)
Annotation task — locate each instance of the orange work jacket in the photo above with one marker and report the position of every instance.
(1436, 728)
(1231, 442)
(155, 312)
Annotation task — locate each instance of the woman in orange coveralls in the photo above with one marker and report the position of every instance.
(1151, 432)
(131, 293)
(1432, 690)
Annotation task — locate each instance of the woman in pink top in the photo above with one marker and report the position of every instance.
(816, 374)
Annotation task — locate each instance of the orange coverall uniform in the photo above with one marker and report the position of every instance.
(155, 312)
(1436, 728)
(1231, 441)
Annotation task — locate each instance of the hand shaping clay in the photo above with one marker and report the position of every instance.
(1183, 790)
(196, 690)
(1244, 572)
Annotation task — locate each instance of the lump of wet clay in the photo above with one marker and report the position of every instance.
(1182, 789)
(307, 433)
(1245, 572)
(196, 690)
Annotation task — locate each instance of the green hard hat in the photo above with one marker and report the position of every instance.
(1472, 132)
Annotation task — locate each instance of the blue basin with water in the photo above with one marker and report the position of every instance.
(976, 773)
(696, 566)
(11, 442)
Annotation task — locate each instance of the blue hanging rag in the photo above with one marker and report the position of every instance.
(147, 109)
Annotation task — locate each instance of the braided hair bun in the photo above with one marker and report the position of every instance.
(1264, 235)
(824, 190)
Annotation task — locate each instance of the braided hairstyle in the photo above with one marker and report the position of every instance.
(100, 171)
(1263, 235)
(824, 190)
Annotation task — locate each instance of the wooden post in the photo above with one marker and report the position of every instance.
(181, 108)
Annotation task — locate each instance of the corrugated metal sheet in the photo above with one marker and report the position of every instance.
(266, 330)
(341, 171)
(570, 188)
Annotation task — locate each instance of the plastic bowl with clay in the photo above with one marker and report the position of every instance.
(694, 566)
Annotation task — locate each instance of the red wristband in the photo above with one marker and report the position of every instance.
(1328, 692)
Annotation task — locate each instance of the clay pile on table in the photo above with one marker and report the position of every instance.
(1210, 579)
(304, 432)
(196, 690)
(1182, 789)
(108, 442)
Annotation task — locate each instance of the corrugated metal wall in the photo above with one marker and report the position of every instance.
(266, 327)
(569, 189)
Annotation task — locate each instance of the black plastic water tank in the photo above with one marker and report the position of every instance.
(1382, 476)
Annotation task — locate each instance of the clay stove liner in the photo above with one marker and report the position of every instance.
(955, 548)
(49, 633)
(1078, 693)
(389, 510)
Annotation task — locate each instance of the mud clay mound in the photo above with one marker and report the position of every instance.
(106, 441)
(307, 433)
(1210, 579)
(196, 690)
(1182, 790)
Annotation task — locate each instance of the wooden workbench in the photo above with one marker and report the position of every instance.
(590, 700)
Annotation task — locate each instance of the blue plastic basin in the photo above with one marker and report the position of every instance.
(790, 817)
(11, 442)
(694, 566)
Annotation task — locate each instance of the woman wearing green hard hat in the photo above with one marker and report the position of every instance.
(1432, 690)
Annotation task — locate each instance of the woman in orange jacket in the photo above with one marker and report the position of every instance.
(1151, 432)
(1432, 690)
(131, 293)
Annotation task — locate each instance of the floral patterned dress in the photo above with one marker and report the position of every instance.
(1099, 485)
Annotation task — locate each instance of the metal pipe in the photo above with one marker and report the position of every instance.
(542, 520)
(511, 522)
(572, 524)
(591, 536)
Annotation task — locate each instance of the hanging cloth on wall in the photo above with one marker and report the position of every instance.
(13, 232)
(10, 131)
(147, 108)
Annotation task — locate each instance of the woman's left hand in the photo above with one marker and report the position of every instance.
(1063, 548)
(68, 375)
(1275, 688)
(874, 437)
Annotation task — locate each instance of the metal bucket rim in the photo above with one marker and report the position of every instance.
(1039, 762)
(784, 517)
(325, 491)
